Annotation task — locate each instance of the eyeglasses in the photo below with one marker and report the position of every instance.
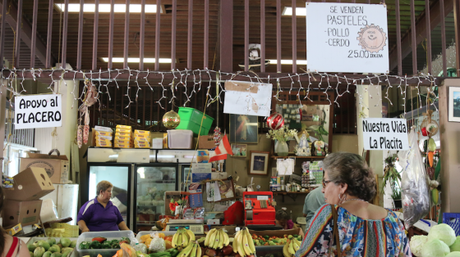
(325, 182)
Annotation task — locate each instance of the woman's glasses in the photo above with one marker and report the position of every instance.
(325, 182)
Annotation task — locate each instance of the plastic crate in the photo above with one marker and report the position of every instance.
(190, 119)
(110, 235)
(453, 220)
(270, 251)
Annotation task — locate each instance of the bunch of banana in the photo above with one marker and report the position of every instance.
(183, 238)
(291, 246)
(216, 239)
(243, 244)
(192, 250)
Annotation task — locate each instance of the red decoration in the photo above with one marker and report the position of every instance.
(275, 121)
(424, 132)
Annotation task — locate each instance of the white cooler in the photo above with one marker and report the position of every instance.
(180, 139)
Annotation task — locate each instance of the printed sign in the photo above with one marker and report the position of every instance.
(347, 37)
(385, 134)
(38, 111)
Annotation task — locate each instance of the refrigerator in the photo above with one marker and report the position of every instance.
(140, 177)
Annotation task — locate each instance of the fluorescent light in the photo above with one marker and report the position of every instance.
(300, 11)
(288, 62)
(136, 60)
(105, 8)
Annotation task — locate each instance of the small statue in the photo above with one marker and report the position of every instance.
(319, 146)
(303, 147)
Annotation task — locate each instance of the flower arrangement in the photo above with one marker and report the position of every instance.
(283, 134)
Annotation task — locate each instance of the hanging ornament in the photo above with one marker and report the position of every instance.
(275, 121)
(217, 136)
(171, 119)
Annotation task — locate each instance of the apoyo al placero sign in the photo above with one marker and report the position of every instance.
(38, 111)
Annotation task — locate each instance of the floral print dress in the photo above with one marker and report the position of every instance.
(358, 237)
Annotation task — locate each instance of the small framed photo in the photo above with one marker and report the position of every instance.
(239, 150)
(454, 104)
(259, 163)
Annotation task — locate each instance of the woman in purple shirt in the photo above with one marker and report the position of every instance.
(283, 219)
(99, 214)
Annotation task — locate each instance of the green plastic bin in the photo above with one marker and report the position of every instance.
(190, 118)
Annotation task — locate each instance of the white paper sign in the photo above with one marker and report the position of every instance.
(248, 98)
(38, 111)
(347, 37)
(285, 166)
(385, 134)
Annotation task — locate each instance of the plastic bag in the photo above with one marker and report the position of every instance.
(157, 244)
(414, 184)
(140, 248)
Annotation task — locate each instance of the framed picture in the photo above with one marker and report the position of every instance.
(226, 189)
(259, 163)
(239, 150)
(243, 128)
(454, 104)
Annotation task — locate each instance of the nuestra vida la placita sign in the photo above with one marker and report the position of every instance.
(385, 134)
(38, 111)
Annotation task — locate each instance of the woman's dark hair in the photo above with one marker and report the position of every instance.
(352, 170)
(282, 215)
(2, 232)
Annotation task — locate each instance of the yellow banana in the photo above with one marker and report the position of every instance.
(296, 244)
(291, 247)
(198, 251)
(174, 240)
(252, 247)
(185, 238)
(208, 241)
(235, 244)
(193, 252)
(217, 240)
(240, 244)
(222, 239)
(186, 251)
(285, 249)
(190, 234)
(246, 249)
(226, 238)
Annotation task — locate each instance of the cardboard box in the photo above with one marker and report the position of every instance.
(206, 142)
(24, 212)
(30, 184)
(57, 167)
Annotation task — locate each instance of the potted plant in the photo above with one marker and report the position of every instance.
(281, 136)
(392, 176)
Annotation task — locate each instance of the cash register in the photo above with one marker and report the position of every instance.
(259, 212)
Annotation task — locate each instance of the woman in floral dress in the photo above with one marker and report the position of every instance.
(364, 229)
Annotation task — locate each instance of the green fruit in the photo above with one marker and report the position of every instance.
(65, 252)
(66, 249)
(73, 244)
(39, 251)
(44, 244)
(51, 241)
(55, 249)
(65, 242)
(31, 254)
(32, 247)
(47, 254)
(55, 255)
(435, 196)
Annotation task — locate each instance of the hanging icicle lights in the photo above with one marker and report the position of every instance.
(193, 80)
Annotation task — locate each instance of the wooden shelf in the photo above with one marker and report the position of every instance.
(293, 195)
(297, 157)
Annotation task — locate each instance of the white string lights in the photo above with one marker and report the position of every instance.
(194, 79)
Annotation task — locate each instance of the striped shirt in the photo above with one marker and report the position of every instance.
(358, 237)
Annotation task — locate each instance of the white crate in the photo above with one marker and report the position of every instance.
(180, 139)
(110, 235)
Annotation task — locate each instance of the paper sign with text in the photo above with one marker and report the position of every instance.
(353, 36)
(38, 111)
(385, 134)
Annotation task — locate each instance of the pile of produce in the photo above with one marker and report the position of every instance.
(51, 248)
(103, 243)
(273, 240)
(243, 243)
(440, 242)
(291, 246)
(216, 243)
